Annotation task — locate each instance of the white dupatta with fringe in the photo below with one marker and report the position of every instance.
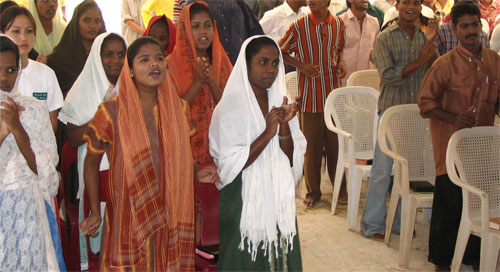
(268, 189)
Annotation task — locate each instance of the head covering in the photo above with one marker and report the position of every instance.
(44, 44)
(89, 88)
(157, 200)
(84, 97)
(268, 188)
(171, 31)
(182, 71)
(68, 58)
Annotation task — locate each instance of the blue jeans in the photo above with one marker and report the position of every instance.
(373, 220)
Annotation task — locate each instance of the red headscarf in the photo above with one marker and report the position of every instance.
(171, 31)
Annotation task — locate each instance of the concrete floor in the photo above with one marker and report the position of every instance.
(327, 245)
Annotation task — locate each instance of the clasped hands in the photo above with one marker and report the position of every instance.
(281, 115)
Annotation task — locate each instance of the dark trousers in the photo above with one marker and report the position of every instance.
(445, 221)
(318, 136)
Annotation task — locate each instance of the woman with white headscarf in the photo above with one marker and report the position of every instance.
(95, 84)
(50, 25)
(259, 149)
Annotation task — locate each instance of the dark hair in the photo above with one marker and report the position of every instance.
(256, 45)
(464, 8)
(134, 48)
(348, 4)
(82, 8)
(113, 37)
(10, 14)
(6, 44)
(200, 8)
(7, 4)
(421, 1)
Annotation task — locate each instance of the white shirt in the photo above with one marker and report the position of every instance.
(277, 21)
(384, 5)
(358, 45)
(131, 10)
(39, 81)
(495, 39)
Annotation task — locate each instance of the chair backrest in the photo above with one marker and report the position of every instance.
(292, 86)
(355, 110)
(408, 135)
(368, 78)
(475, 154)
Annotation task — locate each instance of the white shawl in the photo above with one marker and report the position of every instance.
(15, 172)
(83, 99)
(43, 43)
(268, 189)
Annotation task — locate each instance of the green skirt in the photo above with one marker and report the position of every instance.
(231, 258)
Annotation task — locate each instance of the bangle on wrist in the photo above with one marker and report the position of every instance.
(284, 137)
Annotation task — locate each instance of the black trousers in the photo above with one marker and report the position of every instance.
(445, 221)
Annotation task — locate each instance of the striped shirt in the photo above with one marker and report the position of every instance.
(394, 50)
(320, 43)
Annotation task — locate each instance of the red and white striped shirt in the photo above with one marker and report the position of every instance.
(320, 43)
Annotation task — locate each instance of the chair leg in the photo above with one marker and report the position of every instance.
(353, 199)
(391, 215)
(462, 239)
(489, 253)
(408, 214)
(336, 186)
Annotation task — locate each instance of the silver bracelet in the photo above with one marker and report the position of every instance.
(284, 137)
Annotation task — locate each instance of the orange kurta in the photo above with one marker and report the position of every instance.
(181, 70)
(149, 222)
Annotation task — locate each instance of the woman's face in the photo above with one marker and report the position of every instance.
(203, 30)
(46, 9)
(113, 57)
(90, 24)
(159, 31)
(263, 68)
(23, 33)
(149, 66)
(8, 70)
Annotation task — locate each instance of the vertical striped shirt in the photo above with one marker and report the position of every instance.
(394, 50)
(320, 43)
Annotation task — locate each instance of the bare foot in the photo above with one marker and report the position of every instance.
(309, 202)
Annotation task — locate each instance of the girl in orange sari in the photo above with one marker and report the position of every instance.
(199, 69)
(149, 220)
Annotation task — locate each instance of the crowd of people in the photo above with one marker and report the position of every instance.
(197, 95)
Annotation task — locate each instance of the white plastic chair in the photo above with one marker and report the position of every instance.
(292, 90)
(403, 129)
(355, 113)
(368, 78)
(292, 85)
(473, 163)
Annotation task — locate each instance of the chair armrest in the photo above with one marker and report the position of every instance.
(468, 187)
(332, 127)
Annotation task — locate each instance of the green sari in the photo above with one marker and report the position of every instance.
(231, 258)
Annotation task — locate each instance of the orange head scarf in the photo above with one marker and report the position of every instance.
(155, 201)
(182, 68)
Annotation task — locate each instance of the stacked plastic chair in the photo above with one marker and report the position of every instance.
(368, 78)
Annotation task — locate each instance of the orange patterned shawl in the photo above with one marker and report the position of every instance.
(181, 70)
(150, 215)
